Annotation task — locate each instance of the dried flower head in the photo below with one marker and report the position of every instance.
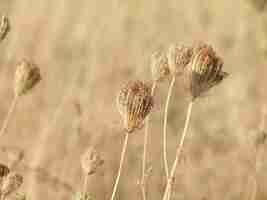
(134, 103)
(159, 66)
(91, 161)
(178, 58)
(11, 183)
(4, 170)
(204, 70)
(4, 27)
(26, 77)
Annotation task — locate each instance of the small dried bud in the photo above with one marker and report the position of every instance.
(90, 161)
(4, 170)
(159, 66)
(178, 58)
(134, 103)
(204, 70)
(26, 77)
(4, 27)
(11, 183)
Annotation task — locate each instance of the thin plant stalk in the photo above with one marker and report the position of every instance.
(143, 179)
(166, 167)
(120, 166)
(257, 154)
(9, 114)
(168, 188)
(85, 183)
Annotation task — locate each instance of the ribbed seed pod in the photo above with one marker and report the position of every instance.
(204, 70)
(11, 183)
(91, 161)
(159, 66)
(134, 103)
(26, 77)
(178, 58)
(4, 27)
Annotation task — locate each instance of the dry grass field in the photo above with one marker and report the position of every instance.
(86, 50)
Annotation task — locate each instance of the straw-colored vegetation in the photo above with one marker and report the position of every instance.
(133, 100)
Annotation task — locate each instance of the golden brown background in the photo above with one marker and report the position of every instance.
(87, 49)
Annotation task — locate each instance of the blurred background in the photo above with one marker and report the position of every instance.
(87, 49)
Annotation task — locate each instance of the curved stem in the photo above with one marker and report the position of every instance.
(166, 167)
(9, 114)
(120, 167)
(143, 181)
(167, 192)
(85, 186)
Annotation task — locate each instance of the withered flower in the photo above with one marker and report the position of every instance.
(178, 58)
(26, 77)
(11, 183)
(159, 66)
(204, 70)
(134, 103)
(91, 161)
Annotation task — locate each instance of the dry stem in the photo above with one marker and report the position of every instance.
(166, 167)
(167, 192)
(85, 186)
(9, 114)
(120, 167)
(143, 179)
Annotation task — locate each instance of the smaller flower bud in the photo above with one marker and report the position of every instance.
(159, 66)
(178, 58)
(91, 161)
(11, 183)
(26, 77)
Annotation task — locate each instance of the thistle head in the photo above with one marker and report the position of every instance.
(26, 77)
(159, 66)
(204, 70)
(4, 27)
(178, 58)
(91, 161)
(134, 103)
(11, 183)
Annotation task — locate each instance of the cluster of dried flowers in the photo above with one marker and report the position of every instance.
(9, 181)
(198, 65)
(200, 68)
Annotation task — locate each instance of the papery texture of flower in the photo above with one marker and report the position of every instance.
(134, 103)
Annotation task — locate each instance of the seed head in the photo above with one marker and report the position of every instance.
(159, 66)
(4, 27)
(204, 70)
(11, 183)
(26, 77)
(178, 58)
(134, 103)
(91, 161)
